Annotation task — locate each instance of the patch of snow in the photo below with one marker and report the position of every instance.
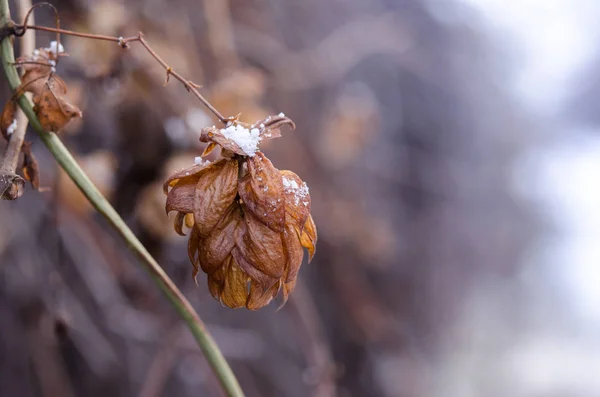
(55, 48)
(246, 139)
(199, 161)
(300, 191)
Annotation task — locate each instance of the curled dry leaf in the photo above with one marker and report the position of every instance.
(243, 139)
(37, 69)
(31, 170)
(251, 221)
(51, 107)
(49, 90)
(8, 121)
(260, 190)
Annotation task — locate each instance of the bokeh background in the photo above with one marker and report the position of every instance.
(453, 154)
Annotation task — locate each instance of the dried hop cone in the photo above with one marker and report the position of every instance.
(249, 221)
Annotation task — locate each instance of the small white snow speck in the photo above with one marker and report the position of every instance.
(187, 173)
(266, 188)
(262, 125)
(36, 52)
(281, 114)
(12, 127)
(55, 48)
(199, 161)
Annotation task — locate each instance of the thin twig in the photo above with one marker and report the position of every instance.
(65, 159)
(78, 34)
(124, 42)
(12, 183)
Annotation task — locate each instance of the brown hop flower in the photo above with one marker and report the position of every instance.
(249, 221)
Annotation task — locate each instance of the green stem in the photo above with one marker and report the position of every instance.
(67, 162)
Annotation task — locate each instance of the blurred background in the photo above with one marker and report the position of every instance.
(452, 148)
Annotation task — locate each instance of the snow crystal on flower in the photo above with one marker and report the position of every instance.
(199, 161)
(246, 139)
(12, 127)
(291, 186)
(55, 48)
(281, 114)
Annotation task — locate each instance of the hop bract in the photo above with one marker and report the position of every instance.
(251, 221)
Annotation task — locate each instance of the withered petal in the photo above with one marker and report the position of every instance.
(214, 193)
(271, 126)
(294, 253)
(260, 297)
(297, 199)
(261, 247)
(178, 223)
(37, 69)
(288, 287)
(53, 110)
(217, 246)
(235, 289)
(216, 136)
(8, 117)
(181, 197)
(261, 190)
(193, 242)
(308, 238)
(208, 149)
(189, 220)
(250, 269)
(187, 175)
(216, 281)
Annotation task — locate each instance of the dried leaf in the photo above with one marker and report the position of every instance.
(235, 290)
(52, 109)
(37, 67)
(208, 149)
(261, 190)
(288, 287)
(178, 223)
(297, 199)
(242, 138)
(308, 238)
(31, 170)
(187, 175)
(270, 128)
(259, 251)
(193, 245)
(293, 252)
(181, 197)
(216, 248)
(260, 297)
(8, 121)
(216, 281)
(215, 192)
